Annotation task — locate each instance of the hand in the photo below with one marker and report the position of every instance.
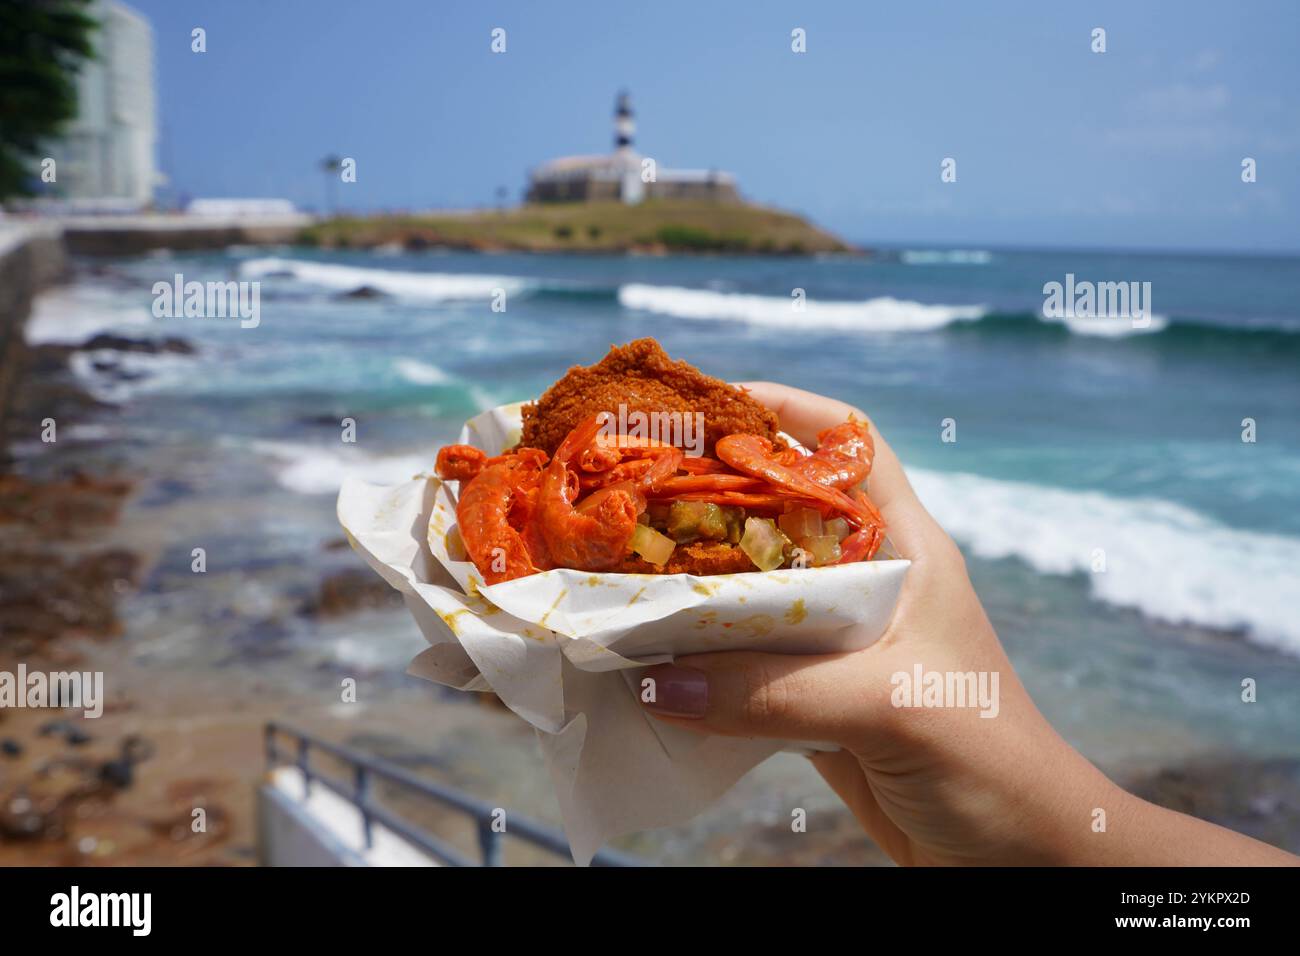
(932, 785)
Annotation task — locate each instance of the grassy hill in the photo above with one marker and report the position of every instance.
(652, 227)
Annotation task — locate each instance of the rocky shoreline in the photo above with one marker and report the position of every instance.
(65, 572)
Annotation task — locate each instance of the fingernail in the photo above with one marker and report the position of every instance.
(676, 691)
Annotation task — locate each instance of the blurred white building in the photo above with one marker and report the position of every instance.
(108, 151)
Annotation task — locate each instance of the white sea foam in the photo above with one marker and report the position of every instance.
(117, 377)
(73, 314)
(882, 314)
(319, 470)
(420, 373)
(945, 257)
(425, 286)
(1111, 327)
(1161, 558)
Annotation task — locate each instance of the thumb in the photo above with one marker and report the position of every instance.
(830, 698)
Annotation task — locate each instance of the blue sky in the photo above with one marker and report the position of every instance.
(1137, 147)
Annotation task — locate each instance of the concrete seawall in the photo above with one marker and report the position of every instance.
(132, 235)
(32, 258)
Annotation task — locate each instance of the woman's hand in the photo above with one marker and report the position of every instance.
(938, 785)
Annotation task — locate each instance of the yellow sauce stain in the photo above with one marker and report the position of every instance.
(592, 580)
(478, 603)
(450, 619)
(755, 625)
(454, 545)
(528, 633)
(707, 590)
(636, 597)
(560, 597)
(797, 612)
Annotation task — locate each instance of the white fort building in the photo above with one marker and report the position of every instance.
(625, 175)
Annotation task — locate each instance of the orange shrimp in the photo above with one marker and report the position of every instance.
(623, 471)
(594, 540)
(862, 545)
(843, 457)
(459, 462)
(502, 490)
(754, 456)
(680, 484)
(607, 449)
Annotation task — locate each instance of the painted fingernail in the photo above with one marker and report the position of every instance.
(675, 691)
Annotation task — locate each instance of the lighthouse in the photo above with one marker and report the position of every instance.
(624, 175)
(624, 125)
(631, 186)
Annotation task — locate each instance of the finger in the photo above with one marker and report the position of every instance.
(833, 698)
(803, 414)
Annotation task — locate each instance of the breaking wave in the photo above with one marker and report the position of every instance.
(882, 314)
(423, 286)
(1162, 559)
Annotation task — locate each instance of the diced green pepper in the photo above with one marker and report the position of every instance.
(689, 520)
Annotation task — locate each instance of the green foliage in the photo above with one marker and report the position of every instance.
(693, 239)
(42, 46)
(676, 226)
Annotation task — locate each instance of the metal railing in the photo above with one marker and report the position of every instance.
(366, 768)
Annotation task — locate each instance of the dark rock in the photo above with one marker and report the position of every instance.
(120, 343)
(10, 747)
(363, 292)
(353, 589)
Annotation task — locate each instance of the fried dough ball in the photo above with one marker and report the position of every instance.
(643, 378)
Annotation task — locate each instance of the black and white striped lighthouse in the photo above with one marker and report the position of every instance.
(624, 126)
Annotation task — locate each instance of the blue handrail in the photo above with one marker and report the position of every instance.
(364, 767)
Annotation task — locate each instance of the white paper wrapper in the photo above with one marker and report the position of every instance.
(563, 649)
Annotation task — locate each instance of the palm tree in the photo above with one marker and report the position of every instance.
(43, 44)
(331, 165)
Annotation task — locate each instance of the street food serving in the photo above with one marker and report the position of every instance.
(640, 464)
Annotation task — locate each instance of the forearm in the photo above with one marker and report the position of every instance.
(1139, 833)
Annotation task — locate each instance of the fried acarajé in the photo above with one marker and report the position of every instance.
(578, 493)
(642, 378)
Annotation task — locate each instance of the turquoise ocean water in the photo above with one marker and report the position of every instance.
(1071, 437)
